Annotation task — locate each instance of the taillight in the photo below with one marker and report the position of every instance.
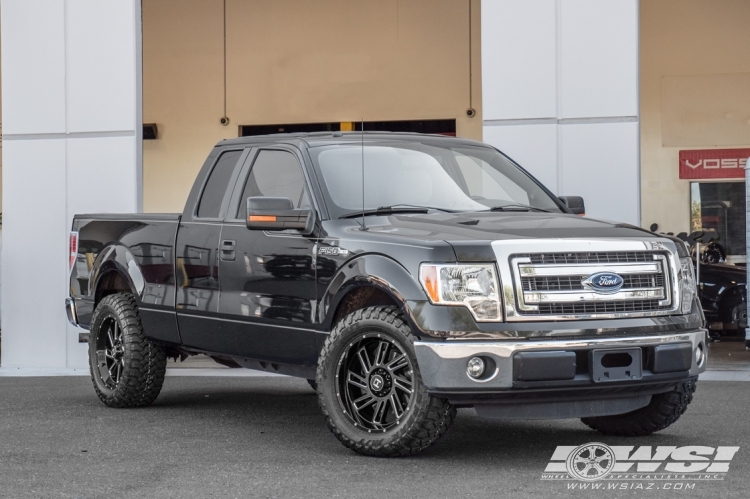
(73, 249)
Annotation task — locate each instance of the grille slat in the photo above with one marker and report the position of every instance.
(603, 307)
(571, 258)
(574, 282)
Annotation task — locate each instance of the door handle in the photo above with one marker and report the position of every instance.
(227, 250)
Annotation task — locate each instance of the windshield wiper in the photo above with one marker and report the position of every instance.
(396, 208)
(515, 207)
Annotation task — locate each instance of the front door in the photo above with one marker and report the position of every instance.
(267, 278)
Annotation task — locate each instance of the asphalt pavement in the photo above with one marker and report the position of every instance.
(264, 437)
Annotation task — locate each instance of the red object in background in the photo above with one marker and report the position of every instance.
(713, 163)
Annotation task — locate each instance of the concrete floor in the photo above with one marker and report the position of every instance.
(264, 437)
(728, 354)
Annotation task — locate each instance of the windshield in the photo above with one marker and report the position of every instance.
(462, 178)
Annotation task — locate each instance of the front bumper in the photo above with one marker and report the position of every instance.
(665, 360)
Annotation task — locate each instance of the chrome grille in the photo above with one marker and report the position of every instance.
(553, 284)
(542, 279)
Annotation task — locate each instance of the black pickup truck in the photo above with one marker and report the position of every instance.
(404, 275)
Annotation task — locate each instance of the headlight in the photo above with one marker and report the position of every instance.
(687, 285)
(472, 286)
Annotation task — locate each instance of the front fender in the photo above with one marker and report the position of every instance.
(374, 270)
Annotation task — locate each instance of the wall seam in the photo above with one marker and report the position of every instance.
(65, 84)
(71, 135)
(639, 214)
(561, 121)
(558, 93)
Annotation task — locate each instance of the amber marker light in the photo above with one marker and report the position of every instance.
(262, 218)
(429, 277)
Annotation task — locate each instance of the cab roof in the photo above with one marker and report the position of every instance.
(314, 139)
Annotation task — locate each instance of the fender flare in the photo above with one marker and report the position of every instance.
(117, 258)
(373, 270)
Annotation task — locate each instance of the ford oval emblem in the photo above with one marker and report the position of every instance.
(604, 282)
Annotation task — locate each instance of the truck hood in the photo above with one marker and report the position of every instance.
(471, 233)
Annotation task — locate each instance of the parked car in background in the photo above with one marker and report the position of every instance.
(722, 287)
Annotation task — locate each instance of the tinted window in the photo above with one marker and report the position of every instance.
(216, 187)
(432, 175)
(275, 174)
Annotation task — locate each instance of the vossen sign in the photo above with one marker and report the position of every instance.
(699, 164)
(596, 461)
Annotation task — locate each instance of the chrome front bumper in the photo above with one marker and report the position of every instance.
(443, 364)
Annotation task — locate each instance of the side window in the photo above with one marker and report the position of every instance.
(275, 174)
(217, 185)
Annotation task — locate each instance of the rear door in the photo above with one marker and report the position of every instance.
(267, 278)
(197, 246)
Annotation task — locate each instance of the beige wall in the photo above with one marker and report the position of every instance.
(680, 40)
(296, 61)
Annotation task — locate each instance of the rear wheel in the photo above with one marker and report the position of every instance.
(663, 410)
(370, 388)
(126, 368)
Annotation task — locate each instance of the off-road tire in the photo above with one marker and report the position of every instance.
(428, 417)
(144, 363)
(663, 410)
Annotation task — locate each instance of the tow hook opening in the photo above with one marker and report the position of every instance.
(621, 359)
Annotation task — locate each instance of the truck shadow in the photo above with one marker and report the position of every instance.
(287, 410)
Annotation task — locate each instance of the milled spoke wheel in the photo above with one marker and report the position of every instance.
(110, 353)
(374, 379)
(126, 367)
(370, 388)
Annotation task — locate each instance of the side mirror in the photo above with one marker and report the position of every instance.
(574, 204)
(269, 213)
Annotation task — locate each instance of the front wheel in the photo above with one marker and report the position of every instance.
(370, 388)
(126, 368)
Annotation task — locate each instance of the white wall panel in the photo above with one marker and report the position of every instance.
(70, 69)
(599, 58)
(532, 146)
(518, 59)
(33, 66)
(34, 256)
(600, 163)
(101, 176)
(101, 65)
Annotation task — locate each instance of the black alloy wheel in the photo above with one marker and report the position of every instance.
(374, 382)
(370, 388)
(110, 353)
(127, 369)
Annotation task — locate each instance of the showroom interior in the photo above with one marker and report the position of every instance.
(614, 103)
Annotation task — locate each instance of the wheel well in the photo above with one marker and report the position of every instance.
(110, 283)
(362, 297)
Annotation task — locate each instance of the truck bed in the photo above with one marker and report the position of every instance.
(138, 246)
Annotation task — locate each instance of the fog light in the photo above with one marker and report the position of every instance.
(700, 355)
(475, 367)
